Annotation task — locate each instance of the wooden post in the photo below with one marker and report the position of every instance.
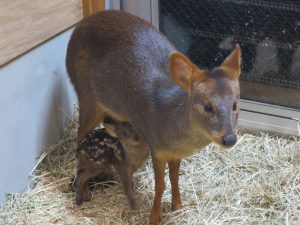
(92, 6)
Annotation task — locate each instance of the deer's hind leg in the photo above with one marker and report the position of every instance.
(90, 116)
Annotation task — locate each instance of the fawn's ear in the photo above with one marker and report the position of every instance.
(111, 130)
(232, 64)
(183, 71)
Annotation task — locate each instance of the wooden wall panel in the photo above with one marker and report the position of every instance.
(26, 23)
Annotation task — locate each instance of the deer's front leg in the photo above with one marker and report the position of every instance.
(159, 166)
(174, 177)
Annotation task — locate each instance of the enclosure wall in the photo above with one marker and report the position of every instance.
(36, 98)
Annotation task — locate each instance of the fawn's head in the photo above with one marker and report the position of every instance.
(213, 96)
(123, 131)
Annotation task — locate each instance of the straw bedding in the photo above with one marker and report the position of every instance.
(256, 182)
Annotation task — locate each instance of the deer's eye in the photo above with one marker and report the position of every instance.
(234, 107)
(208, 108)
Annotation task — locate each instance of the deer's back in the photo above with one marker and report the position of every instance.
(116, 50)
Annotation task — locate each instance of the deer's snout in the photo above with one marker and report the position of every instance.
(229, 140)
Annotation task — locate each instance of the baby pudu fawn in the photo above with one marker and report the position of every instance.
(122, 66)
(116, 145)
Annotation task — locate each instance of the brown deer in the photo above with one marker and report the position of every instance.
(122, 66)
(116, 145)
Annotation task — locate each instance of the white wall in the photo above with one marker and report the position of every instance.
(36, 97)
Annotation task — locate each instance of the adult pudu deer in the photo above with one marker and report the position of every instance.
(122, 66)
(116, 145)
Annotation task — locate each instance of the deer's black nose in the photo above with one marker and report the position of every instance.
(229, 140)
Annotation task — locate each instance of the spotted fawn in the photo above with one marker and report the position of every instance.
(116, 145)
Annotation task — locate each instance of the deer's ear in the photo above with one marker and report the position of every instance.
(183, 71)
(232, 64)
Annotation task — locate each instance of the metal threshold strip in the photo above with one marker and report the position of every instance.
(269, 114)
(265, 117)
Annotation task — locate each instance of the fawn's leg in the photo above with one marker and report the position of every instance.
(159, 166)
(82, 186)
(89, 117)
(174, 177)
(126, 174)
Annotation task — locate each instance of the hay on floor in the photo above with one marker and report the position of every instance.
(256, 182)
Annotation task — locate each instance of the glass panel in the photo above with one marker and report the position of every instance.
(268, 32)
